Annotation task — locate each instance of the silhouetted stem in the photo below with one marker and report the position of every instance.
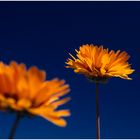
(14, 127)
(97, 112)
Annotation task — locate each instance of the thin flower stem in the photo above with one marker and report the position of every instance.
(97, 112)
(14, 127)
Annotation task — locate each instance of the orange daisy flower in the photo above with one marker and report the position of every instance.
(99, 64)
(26, 92)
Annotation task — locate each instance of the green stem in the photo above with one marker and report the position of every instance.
(14, 127)
(97, 112)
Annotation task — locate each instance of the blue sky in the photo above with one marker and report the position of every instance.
(43, 33)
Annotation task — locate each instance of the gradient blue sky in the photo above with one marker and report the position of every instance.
(42, 34)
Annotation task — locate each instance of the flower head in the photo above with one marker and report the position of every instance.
(99, 64)
(27, 92)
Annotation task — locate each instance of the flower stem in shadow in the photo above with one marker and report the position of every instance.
(14, 127)
(97, 112)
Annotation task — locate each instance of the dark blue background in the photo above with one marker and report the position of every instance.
(42, 34)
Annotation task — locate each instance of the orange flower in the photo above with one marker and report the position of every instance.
(26, 91)
(99, 64)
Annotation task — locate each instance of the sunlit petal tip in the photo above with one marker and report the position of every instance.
(72, 56)
(76, 50)
(63, 124)
(13, 62)
(130, 79)
(76, 70)
(67, 66)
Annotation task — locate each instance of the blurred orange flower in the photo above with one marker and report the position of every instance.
(27, 92)
(99, 64)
